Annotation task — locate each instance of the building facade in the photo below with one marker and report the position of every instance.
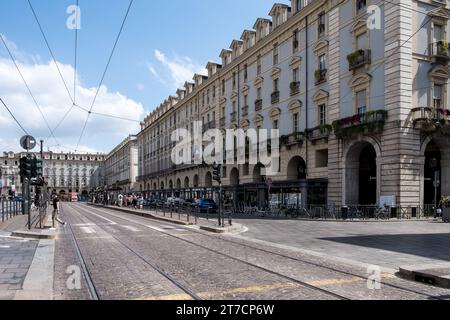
(357, 88)
(64, 172)
(121, 166)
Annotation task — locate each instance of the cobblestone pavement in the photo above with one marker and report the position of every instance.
(211, 266)
(387, 244)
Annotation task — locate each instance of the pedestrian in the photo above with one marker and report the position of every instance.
(120, 200)
(134, 202)
(56, 204)
(141, 202)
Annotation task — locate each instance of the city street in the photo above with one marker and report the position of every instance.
(124, 256)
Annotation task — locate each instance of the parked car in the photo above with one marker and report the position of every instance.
(175, 201)
(206, 205)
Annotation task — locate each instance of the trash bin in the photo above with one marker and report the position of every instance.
(344, 213)
(393, 212)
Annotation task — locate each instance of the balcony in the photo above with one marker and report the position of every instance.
(233, 117)
(293, 139)
(359, 58)
(320, 75)
(430, 120)
(222, 122)
(209, 125)
(319, 133)
(440, 52)
(295, 88)
(245, 111)
(258, 105)
(275, 97)
(365, 123)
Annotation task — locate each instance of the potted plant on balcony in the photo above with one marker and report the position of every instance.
(445, 205)
(443, 48)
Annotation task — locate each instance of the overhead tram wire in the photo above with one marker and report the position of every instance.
(15, 119)
(50, 50)
(28, 87)
(104, 74)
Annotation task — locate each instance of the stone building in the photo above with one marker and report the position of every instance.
(121, 166)
(357, 88)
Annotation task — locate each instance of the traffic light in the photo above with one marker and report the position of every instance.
(217, 172)
(36, 168)
(25, 167)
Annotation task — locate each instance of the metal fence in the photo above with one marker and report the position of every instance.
(10, 209)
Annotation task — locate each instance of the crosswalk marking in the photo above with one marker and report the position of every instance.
(132, 228)
(87, 230)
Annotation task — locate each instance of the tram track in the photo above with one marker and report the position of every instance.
(247, 246)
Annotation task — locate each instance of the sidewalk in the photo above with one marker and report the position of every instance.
(25, 262)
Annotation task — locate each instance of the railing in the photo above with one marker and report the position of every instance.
(258, 105)
(10, 209)
(209, 125)
(359, 58)
(318, 133)
(275, 97)
(233, 117)
(295, 88)
(360, 123)
(292, 139)
(222, 122)
(440, 50)
(320, 75)
(428, 119)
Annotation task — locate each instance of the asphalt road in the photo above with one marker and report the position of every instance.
(129, 257)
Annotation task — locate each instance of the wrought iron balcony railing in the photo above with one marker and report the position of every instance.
(359, 58)
(275, 97)
(258, 105)
(320, 75)
(295, 88)
(429, 120)
(369, 122)
(440, 50)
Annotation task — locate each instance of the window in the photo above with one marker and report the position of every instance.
(437, 33)
(322, 158)
(361, 41)
(275, 124)
(223, 86)
(295, 122)
(437, 96)
(298, 4)
(361, 104)
(295, 75)
(360, 5)
(275, 85)
(245, 73)
(261, 32)
(245, 100)
(214, 93)
(258, 65)
(234, 80)
(258, 94)
(321, 22)
(322, 63)
(207, 97)
(275, 53)
(295, 40)
(322, 115)
(279, 19)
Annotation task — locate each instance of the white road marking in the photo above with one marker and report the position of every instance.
(5, 247)
(106, 219)
(87, 230)
(156, 228)
(132, 228)
(85, 225)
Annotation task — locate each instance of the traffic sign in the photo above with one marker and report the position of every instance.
(28, 142)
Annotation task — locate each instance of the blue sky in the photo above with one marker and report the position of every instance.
(162, 41)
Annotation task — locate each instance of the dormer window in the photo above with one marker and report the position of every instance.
(279, 19)
(261, 32)
(360, 5)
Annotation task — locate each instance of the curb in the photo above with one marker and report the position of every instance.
(46, 235)
(237, 228)
(437, 275)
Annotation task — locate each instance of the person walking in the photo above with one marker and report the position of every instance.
(56, 204)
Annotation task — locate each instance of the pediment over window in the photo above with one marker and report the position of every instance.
(234, 95)
(439, 13)
(320, 95)
(245, 88)
(223, 101)
(275, 112)
(259, 81)
(245, 124)
(295, 105)
(439, 72)
(259, 119)
(321, 45)
(359, 26)
(275, 73)
(295, 62)
(360, 79)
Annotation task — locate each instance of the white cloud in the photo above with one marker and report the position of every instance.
(102, 134)
(177, 69)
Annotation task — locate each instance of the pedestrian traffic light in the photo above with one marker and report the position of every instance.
(25, 167)
(217, 172)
